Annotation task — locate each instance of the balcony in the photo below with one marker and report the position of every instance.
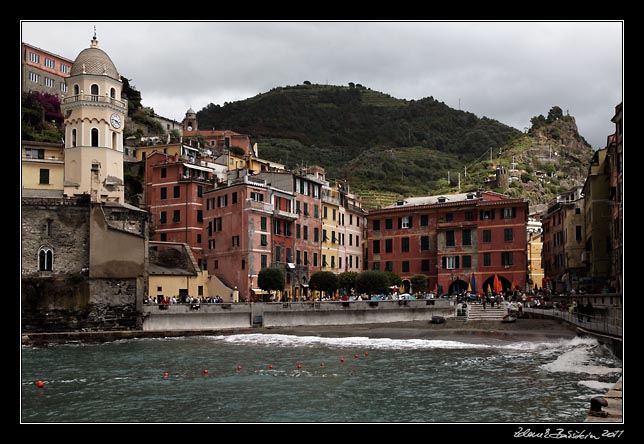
(285, 214)
(88, 99)
(259, 206)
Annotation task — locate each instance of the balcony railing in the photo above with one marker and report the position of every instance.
(95, 98)
(257, 205)
(285, 214)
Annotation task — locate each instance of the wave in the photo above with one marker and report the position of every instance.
(280, 340)
(578, 360)
(597, 385)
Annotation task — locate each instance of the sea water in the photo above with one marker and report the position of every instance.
(283, 378)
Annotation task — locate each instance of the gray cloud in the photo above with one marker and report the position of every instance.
(509, 71)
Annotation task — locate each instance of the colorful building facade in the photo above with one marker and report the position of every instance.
(44, 71)
(615, 157)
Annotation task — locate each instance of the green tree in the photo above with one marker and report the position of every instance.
(419, 282)
(236, 150)
(372, 281)
(392, 278)
(324, 281)
(132, 95)
(555, 113)
(271, 279)
(347, 280)
(306, 82)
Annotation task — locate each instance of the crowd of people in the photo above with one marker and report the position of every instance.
(166, 300)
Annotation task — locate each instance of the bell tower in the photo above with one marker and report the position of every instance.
(94, 120)
(190, 121)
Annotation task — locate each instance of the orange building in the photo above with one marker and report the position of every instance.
(43, 71)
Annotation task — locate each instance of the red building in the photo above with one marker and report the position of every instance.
(450, 239)
(174, 190)
(616, 164)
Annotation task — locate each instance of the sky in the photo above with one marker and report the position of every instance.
(508, 71)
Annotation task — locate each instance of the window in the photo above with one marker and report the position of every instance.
(49, 226)
(278, 254)
(200, 192)
(507, 258)
(44, 176)
(332, 261)
(424, 265)
(199, 215)
(277, 226)
(263, 261)
(49, 83)
(449, 217)
(76, 90)
(176, 192)
(315, 259)
(389, 245)
(340, 262)
(33, 57)
(351, 240)
(405, 267)
(449, 238)
(333, 237)
(64, 68)
(287, 229)
(334, 213)
(262, 224)
(298, 258)
(264, 240)
(222, 201)
(233, 196)
(45, 259)
(50, 63)
(163, 218)
(357, 260)
(306, 209)
(216, 264)
(467, 237)
(306, 258)
(577, 210)
(388, 224)
(470, 216)
(405, 222)
(450, 262)
(424, 220)
(376, 265)
(578, 232)
(176, 216)
(164, 173)
(94, 136)
(350, 219)
(316, 235)
(324, 263)
(297, 207)
(467, 261)
(376, 247)
(424, 243)
(507, 234)
(405, 244)
(486, 214)
(94, 92)
(316, 211)
(325, 238)
(487, 236)
(508, 213)
(257, 197)
(389, 266)
(297, 231)
(487, 259)
(305, 234)
(198, 238)
(164, 237)
(113, 94)
(376, 225)
(31, 153)
(34, 77)
(325, 211)
(74, 137)
(243, 265)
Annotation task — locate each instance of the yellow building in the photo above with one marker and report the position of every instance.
(534, 249)
(94, 122)
(43, 169)
(331, 238)
(142, 152)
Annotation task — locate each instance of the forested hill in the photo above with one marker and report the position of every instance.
(387, 148)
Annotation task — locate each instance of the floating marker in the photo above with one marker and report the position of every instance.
(355, 356)
(366, 353)
(321, 364)
(270, 367)
(341, 359)
(239, 367)
(165, 374)
(40, 384)
(299, 365)
(205, 371)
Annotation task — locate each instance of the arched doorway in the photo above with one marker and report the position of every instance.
(405, 285)
(457, 286)
(506, 285)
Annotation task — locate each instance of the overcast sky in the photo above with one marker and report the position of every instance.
(509, 71)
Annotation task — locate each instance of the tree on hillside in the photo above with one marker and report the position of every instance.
(555, 113)
(271, 279)
(132, 95)
(324, 281)
(372, 282)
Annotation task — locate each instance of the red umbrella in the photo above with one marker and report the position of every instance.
(497, 284)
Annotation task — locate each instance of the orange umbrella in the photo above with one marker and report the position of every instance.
(497, 284)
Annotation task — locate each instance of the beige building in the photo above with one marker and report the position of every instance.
(94, 121)
(43, 169)
(331, 232)
(535, 248)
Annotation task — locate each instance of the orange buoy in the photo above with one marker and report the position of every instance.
(341, 359)
(165, 374)
(321, 364)
(355, 356)
(366, 353)
(239, 367)
(40, 384)
(270, 367)
(299, 365)
(205, 371)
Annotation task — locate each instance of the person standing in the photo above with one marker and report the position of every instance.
(589, 310)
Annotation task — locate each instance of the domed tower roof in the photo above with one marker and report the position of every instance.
(93, 60)
(190, 111)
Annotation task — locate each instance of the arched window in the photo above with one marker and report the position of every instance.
(94, 92)
(76, 90)
(113, 93)
(94, 136)
(74, 137)
(45, 259)
(114, 140)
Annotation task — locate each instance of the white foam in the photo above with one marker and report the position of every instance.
(597, 385)
(577, 361)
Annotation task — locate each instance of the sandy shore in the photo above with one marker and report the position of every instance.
(523, 330)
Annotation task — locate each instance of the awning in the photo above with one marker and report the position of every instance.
(197, 167)
(305, 285)
(291, 265)
(259, 291)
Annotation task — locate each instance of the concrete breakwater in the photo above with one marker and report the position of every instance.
(290, 314)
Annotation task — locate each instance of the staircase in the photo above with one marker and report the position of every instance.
(475, 312)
